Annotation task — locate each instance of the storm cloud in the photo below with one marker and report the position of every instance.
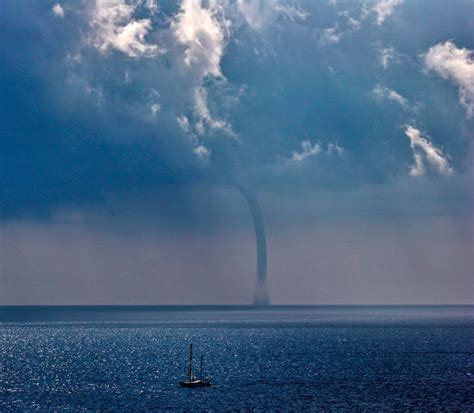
(120, 118)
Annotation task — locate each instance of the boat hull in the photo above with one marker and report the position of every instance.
(195, 383)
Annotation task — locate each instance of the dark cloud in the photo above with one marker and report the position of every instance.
(78, 124)
(114, 138)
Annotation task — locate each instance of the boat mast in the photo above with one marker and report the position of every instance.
(201, 366)
(190, 362)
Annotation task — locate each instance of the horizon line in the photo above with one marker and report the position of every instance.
(252, 306)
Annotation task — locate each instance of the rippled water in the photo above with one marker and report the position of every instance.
(322, 358)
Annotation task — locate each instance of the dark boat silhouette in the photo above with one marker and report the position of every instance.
(192, 381)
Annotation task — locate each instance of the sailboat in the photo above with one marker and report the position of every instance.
(192, 381)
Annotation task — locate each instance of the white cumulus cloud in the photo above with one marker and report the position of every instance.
(455, 64)
(310, 149)
(113, 27)
(205, 117)
(155, 108)
(58, 10)
(335, 149)
(201, 31)
(386, 55)
(183, 121)
(382, 92)
(202, 153)
(384, 9)
(331, 35)
(259, 14)
(425, 151)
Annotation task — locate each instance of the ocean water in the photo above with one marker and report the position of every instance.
(280, 358)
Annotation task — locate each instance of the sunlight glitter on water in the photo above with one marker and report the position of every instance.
(284, 360)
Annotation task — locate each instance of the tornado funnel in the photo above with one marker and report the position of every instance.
(261, 289)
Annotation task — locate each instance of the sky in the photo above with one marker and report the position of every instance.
(123, 124)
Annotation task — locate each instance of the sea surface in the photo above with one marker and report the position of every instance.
(323, 358)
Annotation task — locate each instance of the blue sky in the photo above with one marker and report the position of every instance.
(123, 122)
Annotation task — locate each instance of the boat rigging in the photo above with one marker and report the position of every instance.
(192, 381)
